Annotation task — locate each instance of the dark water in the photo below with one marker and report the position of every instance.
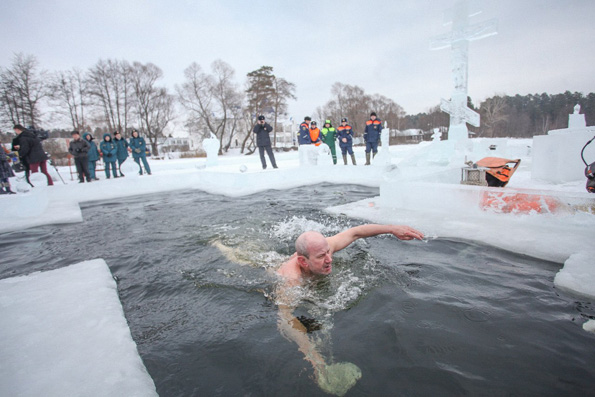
(437, 318)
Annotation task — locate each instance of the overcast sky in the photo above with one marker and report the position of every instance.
(381, 46)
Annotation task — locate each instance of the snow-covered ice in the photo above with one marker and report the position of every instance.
(64, 334)
(420, 187)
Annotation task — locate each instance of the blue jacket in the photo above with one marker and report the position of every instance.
(109, 150)
(345, 132)
(373, 130)
(304, 135)
(138, 147)
(122, 149)
(93, 153)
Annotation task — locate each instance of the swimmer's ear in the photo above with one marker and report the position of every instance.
(302, 262)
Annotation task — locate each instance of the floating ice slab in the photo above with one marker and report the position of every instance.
(578, 275)
(64, 333)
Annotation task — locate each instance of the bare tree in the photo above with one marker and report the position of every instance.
(212, 100)
(110, 87)
(494, 111)
(69, 95)
(152, 105)
(348, 101)
(353, 103)
(22, 88)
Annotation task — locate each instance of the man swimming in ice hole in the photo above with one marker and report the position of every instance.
(314, 257)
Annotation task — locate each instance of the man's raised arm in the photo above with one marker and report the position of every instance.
(343, 239)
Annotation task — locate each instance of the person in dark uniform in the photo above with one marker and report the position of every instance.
(346, 140)
(79, 148)
(372, 136)
(263, 141)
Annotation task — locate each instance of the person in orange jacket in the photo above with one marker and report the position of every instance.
(315, 134)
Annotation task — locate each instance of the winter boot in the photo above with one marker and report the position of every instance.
(345, 159)
(352, 159)
(5, 189)
(367, 158)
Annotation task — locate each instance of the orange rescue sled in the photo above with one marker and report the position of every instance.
(499, 171)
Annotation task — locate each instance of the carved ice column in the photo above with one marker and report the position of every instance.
(211, 146)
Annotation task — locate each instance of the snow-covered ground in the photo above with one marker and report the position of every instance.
(441, 208)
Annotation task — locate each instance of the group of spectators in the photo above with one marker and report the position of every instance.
(29, 156)
(114, 152)
(310, 134)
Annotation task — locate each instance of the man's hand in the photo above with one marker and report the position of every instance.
(403, 232)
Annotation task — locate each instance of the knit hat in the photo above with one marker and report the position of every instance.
(373, 114)
(344, 119)
(307, 118)
(261, 117)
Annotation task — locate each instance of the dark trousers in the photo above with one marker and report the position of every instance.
(269, 151)
(373, 146)
(120, 162)
(346, 147)
(82, 168)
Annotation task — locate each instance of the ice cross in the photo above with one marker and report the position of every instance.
(458, 39)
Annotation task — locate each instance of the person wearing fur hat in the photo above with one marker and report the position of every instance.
(109, 149)
(79, 148)
(372, 135)
(92, 154)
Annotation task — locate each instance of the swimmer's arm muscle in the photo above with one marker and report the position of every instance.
(343, 239)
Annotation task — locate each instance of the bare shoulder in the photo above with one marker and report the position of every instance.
(290, 270)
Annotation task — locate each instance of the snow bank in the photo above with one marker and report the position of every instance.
(64, 333)
(578, 274)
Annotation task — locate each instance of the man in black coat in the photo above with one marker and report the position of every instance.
(31, 152)
(79, 148)
(263, 141)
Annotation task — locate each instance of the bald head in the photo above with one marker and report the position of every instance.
(306, 241)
